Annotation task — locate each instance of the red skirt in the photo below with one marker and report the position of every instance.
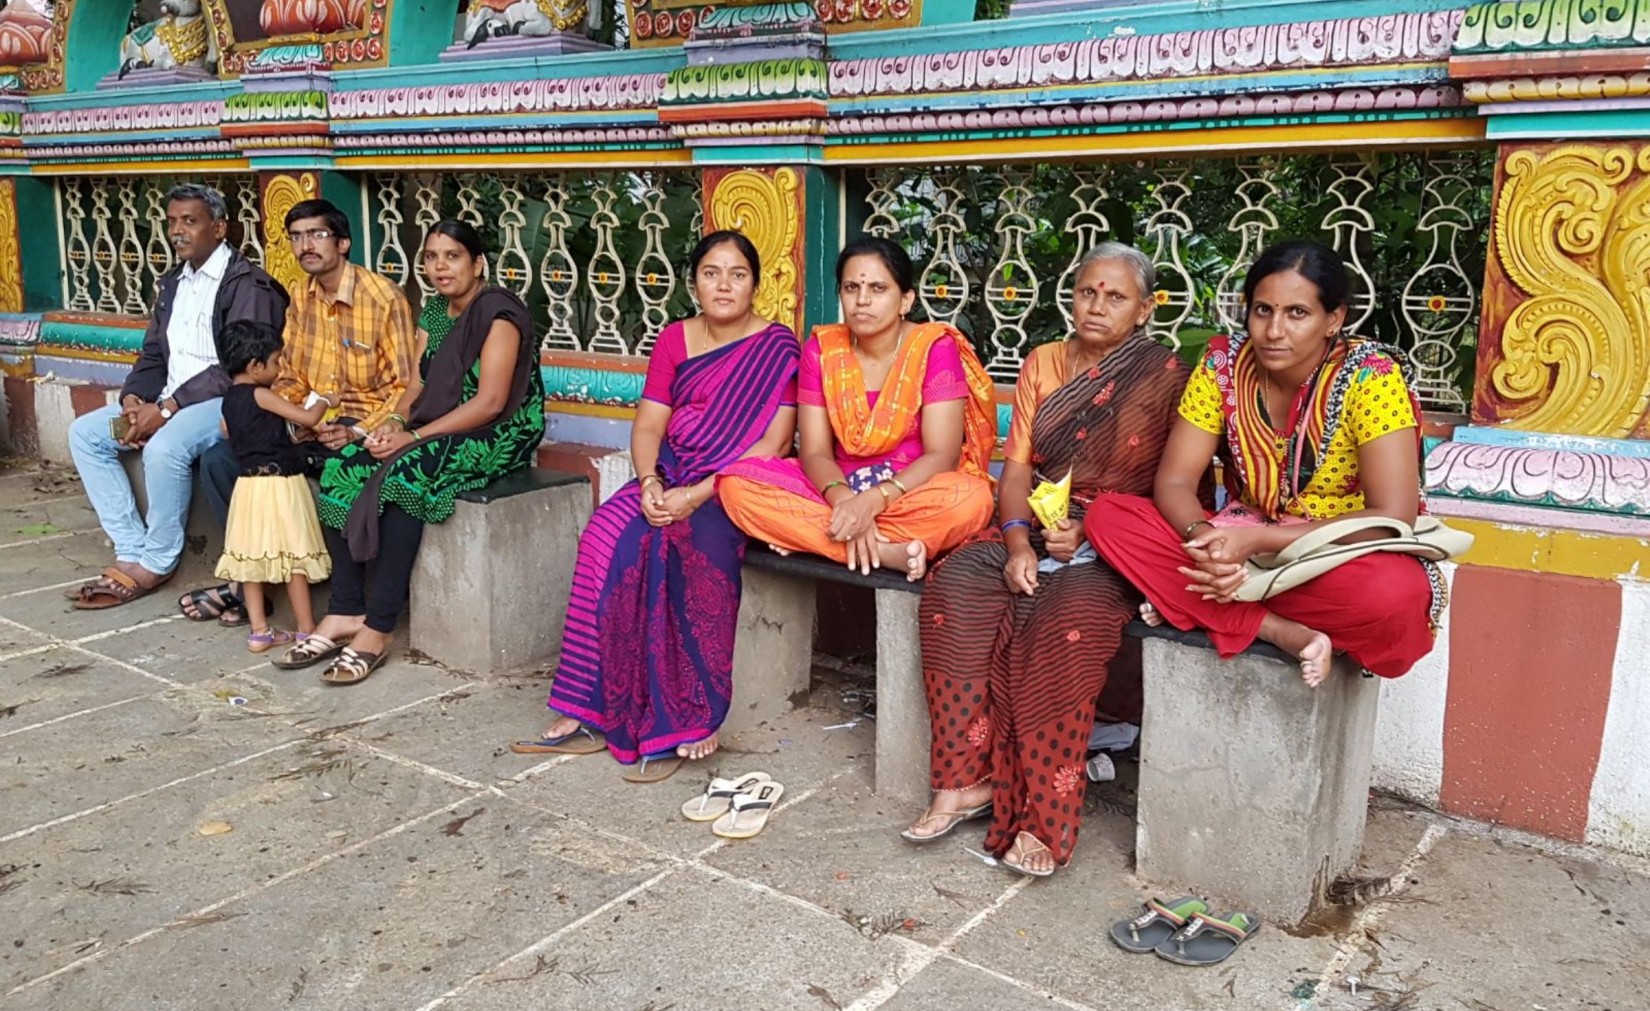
(1377, 609)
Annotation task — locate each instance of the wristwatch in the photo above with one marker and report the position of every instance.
(165, 412)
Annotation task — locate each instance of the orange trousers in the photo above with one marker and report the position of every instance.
(942, 512)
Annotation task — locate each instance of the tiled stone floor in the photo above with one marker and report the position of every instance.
(387, 852)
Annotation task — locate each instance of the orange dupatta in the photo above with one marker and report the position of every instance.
(867, 431)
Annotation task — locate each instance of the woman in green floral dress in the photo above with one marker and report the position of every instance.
(475, 414)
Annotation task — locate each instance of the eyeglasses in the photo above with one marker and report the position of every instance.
(303, 238)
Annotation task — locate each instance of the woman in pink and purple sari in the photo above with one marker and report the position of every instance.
(647, 658)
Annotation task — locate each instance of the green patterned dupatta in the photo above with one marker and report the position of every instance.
(426, 477)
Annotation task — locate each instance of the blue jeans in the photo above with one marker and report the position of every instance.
(156, 541)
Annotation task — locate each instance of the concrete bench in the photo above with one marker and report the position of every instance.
(1253, 787)
(202, 533)
(773, 658)
(489, 593)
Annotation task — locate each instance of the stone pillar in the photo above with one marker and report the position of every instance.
(902, 704)
(490, 591)
(773, 650)
(1253, 787)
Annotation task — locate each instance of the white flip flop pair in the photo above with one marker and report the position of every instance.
(739, 807)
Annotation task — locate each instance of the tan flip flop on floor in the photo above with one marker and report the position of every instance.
(714, 802)
(749, 812)
(653, 768)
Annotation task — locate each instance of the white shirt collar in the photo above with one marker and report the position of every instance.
(214, 266)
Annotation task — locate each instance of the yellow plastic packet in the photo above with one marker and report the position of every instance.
(1050, 502)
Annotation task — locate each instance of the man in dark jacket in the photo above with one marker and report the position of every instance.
(171, 404)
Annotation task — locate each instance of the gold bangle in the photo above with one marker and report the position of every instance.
(886, 498)
(897, 483)
(1186, 535)
(645, 478)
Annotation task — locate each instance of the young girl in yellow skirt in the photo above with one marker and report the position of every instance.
(273, 535)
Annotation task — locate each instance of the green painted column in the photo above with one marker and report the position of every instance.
(821, 241)
(348, 190)
(37, 227)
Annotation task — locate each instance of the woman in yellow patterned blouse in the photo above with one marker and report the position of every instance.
(1312, 425)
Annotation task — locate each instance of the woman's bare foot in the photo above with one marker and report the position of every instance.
(561, 726)
(1311, 646)
(945, 808)
(912, 557)
(341, 627)
(1029, 853)
(698, 749)
(370, 640)
(1149, 615)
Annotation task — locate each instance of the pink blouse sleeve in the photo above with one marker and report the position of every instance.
(668, 352)
(945, 379)
(810, 382)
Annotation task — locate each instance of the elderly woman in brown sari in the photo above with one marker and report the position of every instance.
(1019, 628)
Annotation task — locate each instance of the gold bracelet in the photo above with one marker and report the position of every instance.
(886, 498)
(1187, 534)
(897, 483)
(645, 478)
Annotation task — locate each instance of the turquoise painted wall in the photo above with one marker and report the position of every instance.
(344, 190)
(37, 226)
(419, 30)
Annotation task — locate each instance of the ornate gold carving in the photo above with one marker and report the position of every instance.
(767, 209)
(1574, 236)
(281, 194)
(565, 15)
(186, 41)
(11, 250)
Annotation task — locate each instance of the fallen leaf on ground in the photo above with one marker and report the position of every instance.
(456, 826)
(114, 886)
(216, 828)
(63, 668)
(824, 995)
(38, 530)
(201, 920)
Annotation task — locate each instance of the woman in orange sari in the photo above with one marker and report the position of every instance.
(898, 423)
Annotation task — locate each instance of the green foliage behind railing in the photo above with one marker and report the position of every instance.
(1384, 212)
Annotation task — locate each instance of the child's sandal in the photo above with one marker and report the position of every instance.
(268, 639)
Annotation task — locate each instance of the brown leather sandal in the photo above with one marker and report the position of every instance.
(353, 667)
(112, 589)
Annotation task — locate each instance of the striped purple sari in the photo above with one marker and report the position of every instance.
(647, 657)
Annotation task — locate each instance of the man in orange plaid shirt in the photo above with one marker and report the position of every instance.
(349, 333)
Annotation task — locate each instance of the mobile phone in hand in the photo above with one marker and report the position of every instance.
(120, 426)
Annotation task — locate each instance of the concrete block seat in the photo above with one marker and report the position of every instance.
(202, 533)
(489, 592)
(773, 657)
(1253, 787)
